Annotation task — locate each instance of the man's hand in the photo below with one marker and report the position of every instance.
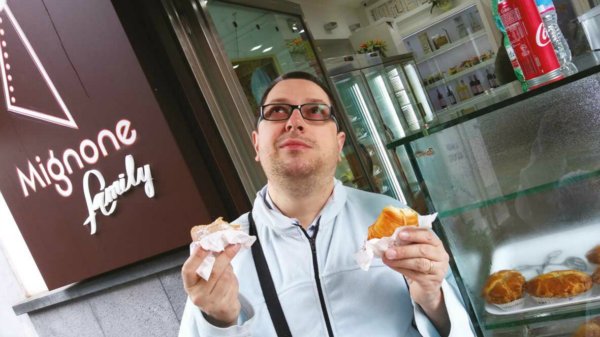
(424, 263)
(217, 297)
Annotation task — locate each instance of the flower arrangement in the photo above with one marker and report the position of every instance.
(296, 45)
(371, 46)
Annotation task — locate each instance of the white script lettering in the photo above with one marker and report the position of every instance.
(89, 152)
(106, 198)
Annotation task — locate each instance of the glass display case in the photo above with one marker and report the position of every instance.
(517, 187)
(455, 54)
(383, 100)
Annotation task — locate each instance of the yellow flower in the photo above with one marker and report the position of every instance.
(372, 45)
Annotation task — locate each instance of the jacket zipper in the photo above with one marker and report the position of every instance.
(313, 249)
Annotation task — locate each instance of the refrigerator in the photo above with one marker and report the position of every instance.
(383, 100)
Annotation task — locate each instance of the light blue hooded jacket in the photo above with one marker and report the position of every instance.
(357, 303)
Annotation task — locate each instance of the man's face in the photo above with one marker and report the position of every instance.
(297, 148)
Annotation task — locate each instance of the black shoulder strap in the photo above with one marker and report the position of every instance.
(267, 285)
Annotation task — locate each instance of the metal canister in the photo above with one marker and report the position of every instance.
(529, 39)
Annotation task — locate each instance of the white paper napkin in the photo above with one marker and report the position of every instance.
(377, 247)
(216, 243)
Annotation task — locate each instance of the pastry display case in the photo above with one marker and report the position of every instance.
(517, 187)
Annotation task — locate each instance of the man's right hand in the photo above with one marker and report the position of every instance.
(217, 297)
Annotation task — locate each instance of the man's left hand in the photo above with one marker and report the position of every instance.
(423, 260)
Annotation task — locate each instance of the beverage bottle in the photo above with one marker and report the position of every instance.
(478, 85)
(473, 86)
(561, 47)
(509, 49)
(441, 99)
(475, 24)
(491, 79)
(451, 97)
(463, 91)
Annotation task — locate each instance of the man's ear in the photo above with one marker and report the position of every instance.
(341, 138)
(255, 144)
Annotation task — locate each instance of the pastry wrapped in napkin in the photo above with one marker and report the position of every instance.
(383, 234)
(214, 238)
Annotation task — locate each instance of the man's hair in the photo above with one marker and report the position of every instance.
(297, 75)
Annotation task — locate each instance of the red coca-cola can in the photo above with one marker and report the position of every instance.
(528, 36)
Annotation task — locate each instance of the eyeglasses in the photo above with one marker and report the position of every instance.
(309, 111)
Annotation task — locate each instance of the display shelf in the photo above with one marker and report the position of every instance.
(453, 115)
(457, 109)
(431, 21)
(513, 183)
(447, 120)
(460, 74)
(412, 12)
(401, 17)
(450, 46)
(521, 193)
(515, 322)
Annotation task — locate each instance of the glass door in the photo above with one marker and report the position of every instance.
(361, 111)
(261, 44)
(398, 112)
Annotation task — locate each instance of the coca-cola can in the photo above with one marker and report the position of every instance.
(528, 36)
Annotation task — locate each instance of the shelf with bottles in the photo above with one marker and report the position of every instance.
(461, 112)
(474, 103)
(458, 91)
(464, 72)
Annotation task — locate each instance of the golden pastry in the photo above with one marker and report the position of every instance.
(594, 255)
(590, 328)
(560, 284)
(391, 218)
(503, 287)
(596, 276)
(200, 231)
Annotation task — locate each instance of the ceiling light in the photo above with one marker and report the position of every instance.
(256, 47)
(267, 49)
(300, 32)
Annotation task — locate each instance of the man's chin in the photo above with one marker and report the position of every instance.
(295, 170)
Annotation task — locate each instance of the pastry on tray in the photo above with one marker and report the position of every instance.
(594, 255)
(596, 276)
(504, 287)
(559, 284)
(391, 218)
(590, 328)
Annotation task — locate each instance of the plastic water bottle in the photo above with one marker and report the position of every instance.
(561, 47)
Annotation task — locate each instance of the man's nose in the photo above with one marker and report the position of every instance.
(296, 121)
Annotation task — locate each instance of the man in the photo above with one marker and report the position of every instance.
(310, 226)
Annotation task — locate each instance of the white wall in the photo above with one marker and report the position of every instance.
(19, 277)
(318, 13)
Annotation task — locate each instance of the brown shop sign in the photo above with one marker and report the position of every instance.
(55, 172)
(55, 169)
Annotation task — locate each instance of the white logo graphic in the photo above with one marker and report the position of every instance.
(541, 36)
(12, 104)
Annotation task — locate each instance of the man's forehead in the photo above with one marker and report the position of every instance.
(290, 89)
